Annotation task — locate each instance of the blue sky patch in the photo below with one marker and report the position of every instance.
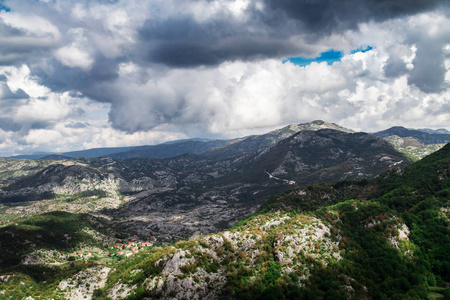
(362, 49)
(4, 8)
(329, 57)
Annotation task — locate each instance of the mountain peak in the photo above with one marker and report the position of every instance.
(319, 124)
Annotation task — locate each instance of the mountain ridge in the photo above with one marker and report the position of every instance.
(221, 147)
(173, 148)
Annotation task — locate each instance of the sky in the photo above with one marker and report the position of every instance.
(86, 74)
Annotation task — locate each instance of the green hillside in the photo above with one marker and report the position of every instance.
(39, 252)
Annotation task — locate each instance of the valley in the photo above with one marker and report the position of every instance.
(192, 194)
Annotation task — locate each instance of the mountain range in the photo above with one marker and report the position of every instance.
(251, 143)
(191, 194)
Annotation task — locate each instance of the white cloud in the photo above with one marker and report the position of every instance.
(6, 142)
(21, 78)
(72, 56)
(42, 136)
(54, 108)
(31, 24)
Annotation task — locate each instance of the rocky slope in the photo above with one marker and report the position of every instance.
(412, 147)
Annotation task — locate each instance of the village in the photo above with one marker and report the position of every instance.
(124, 248)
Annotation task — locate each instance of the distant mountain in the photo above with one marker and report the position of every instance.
(434, 131)
(423, 137)
(96, 152)
(54, 157)
(193, 146)
(171, 149)
(33, 156)
(215, 148)
(88, 153)
(165, 150)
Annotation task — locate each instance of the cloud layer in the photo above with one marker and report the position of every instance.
(80, 74)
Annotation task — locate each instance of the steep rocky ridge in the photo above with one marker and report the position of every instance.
(348, 154)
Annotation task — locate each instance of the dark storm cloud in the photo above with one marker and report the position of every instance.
(329, 15)
(429, 69)
(182, 41)
(191, 54)
(86, 82)
(187, 43)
